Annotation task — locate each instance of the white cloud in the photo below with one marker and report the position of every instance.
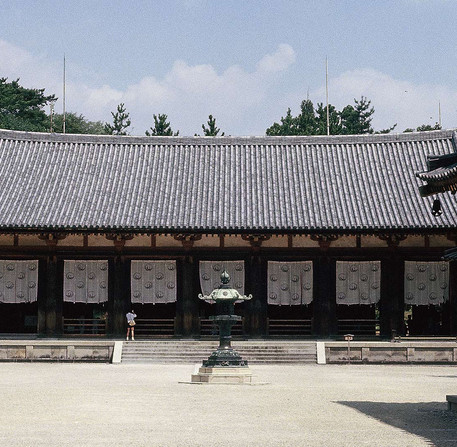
(243, 102)
(394, 100)
(278, 61)
(187, 93)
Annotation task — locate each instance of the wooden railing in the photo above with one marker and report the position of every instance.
(208, 327)
(277, 327)
(359, 327)
(154, 327)
(84, 326)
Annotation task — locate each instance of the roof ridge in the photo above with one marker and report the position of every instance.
(231, 140)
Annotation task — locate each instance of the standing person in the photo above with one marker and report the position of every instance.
(131, 324)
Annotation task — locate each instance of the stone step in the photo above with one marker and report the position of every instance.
(270, 351)
(199, 361)
(193, 351)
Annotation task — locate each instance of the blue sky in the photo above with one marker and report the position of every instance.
(243, 61)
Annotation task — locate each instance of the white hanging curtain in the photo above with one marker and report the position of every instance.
(85, 281)
(426, 282)
(18, 281)
(290, 283)
(210, 275)
(358, 282)
(153, 282)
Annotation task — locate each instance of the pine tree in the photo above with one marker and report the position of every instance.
(121, 121)
(306, 121)
(424, 128)
(22, 108)
(288, 126)
(211, 130)
(357, 119)
(161, 127)
(321, 120)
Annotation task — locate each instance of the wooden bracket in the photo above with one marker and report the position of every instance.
(187, 239)
(52, 239)
(393, 240)
(255, 239)
(324, 240)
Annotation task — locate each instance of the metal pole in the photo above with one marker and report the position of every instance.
(52, 115)
(63, 126)
(439, 113)
(326, 94)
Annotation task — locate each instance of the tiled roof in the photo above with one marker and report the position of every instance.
(441, 175)
(235, 184)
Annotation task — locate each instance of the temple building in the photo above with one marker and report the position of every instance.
(328, 233)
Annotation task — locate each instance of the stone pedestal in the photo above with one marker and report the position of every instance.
(452, 403)
(223, 375)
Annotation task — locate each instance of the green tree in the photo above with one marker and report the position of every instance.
(306, 122)
(77, 124)
(334, 120)
(212, 130)
(424, 128)
(23, 108)
(121, 121)
(288, 126)
(353, 119)
(357, 119)
(161, 127)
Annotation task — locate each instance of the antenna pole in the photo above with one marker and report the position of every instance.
(63, 120)
(51, 106)
(326, 94)
(439, 113)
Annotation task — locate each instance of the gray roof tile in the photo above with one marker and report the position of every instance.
(340, 183)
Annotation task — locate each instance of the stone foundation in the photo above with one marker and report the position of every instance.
(222, 375)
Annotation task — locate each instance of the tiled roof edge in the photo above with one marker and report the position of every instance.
(254, 140)
(454, 140)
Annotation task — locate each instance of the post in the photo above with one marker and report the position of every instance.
(53, 326)
(325, 321)
(41, 298)
(257, 308)
(187, 317)
(118, 300)
(452, 298)
(392, 303)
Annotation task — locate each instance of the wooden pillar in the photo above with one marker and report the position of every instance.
(324, 302)
(391, 305)
(256, 309)
(187, 316)
(119, 298)
(41, 298)
(53, 325)
(453, 298)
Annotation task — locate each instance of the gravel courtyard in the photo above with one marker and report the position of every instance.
(145, 405)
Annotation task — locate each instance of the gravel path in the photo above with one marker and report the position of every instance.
(145, 405)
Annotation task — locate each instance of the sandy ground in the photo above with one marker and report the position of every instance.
(145, 405)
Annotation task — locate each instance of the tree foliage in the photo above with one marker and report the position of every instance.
(424, 128)
(121, 121)
(77, 124)
(352, 119)
(212, 130)
(161, 127)
(23, 108)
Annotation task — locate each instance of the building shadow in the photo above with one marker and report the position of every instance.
(431, 421)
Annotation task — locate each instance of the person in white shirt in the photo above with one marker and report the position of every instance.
(131, 324)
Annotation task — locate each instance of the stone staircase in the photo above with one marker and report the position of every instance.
(195, 351)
